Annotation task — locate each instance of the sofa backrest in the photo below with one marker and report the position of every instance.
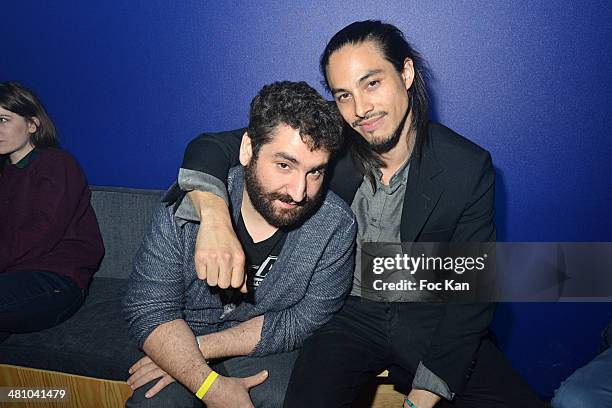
(124, 215)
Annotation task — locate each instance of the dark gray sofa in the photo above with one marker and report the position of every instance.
(94, 342)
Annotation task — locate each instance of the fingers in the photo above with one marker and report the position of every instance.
(219, 258)
(144, 375)
(221, 267)
(238, 269)
(224, 260)
(200, 258)
(161, 384)
(141, 378)
(139, 363)
(201, 271)
(256, 379)
(238, 276)
(212, 272)
(147, 378)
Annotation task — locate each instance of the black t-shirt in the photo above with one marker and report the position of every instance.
(260, 256)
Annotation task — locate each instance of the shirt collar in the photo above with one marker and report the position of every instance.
(398, 179)
(28, 158)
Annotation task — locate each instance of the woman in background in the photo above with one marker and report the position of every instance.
(50, 243)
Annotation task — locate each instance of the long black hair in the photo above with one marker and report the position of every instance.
(395, 49)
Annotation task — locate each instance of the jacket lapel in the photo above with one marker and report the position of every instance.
(422, 190)
(344, 178)
(235, 182)
(422, 194)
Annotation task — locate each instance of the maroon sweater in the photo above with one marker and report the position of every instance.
(46, 219)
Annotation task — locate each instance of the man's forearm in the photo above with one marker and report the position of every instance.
(173, 347)
(210, 206)
(239, 340)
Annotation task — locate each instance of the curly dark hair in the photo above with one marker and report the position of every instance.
(300, 106)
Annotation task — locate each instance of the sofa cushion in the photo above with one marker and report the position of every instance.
(94, 342)
(124, 215)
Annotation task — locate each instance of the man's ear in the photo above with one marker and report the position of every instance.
(246, 149)
(33, 125)
(408, 73)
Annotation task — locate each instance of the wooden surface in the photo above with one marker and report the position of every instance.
(85, 392)
(379, 394)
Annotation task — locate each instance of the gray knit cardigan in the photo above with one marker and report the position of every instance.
(308, 283)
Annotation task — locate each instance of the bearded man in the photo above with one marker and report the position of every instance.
(298, 242)
(407, 179)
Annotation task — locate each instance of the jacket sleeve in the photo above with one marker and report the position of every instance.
(213, 153)
(285, 330)
(205, 167)
(456, 340)
(156, 290)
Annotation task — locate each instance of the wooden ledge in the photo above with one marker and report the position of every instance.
(84, 391)
(88, 392)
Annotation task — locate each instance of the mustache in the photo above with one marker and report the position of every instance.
(367, 117)
(285, 198)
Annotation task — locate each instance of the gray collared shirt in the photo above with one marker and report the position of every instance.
(379, 214)
(379, 218)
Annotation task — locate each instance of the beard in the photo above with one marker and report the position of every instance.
(384, 145)
(263, 202)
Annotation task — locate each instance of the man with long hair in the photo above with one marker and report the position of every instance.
(407, 179)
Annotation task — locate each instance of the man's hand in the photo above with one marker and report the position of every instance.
(225, 391)
(422, 399)
(219, 257)
(144, 371)
(233, 392)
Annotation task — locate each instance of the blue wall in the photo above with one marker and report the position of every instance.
(130, 83)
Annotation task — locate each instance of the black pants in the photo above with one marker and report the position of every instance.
(365, 338)
(35, 300)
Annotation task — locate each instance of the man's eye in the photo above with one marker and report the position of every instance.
(373, 84)
(343, 96)
(2, 120)
(283, 166)
(317, 173)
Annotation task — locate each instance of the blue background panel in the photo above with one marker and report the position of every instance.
(130, 83)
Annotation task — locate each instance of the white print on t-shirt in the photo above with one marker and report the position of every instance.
(260, 272)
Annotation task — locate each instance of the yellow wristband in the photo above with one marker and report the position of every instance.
(210, 379)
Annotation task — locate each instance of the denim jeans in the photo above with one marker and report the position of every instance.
(36, 300)
(589, 386)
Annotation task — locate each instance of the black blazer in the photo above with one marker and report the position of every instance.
(449, 197)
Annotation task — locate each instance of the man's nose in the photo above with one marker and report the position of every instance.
(362, 106)
(297, 188)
